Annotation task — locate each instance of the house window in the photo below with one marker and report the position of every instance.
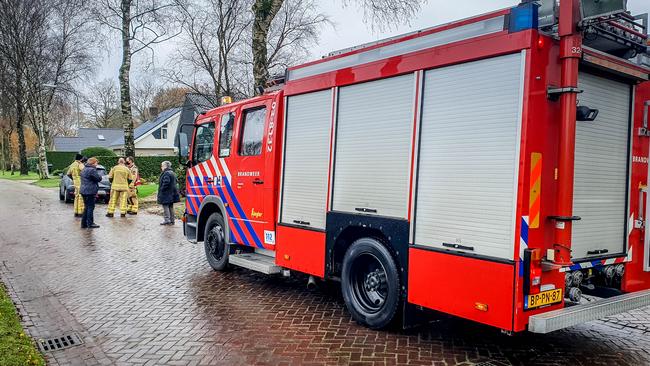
(160, 133)
(101, 137)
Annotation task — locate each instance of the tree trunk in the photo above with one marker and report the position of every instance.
(125, 90)
(264, 11)
(3, 167)
(43, 171)
(20, 116)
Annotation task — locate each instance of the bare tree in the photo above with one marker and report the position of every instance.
(140, 24)
(144, 90)
(60, 56)
(217, 32)
(6, 113)
(169, 98)
(20, 23)
(103, 105)
(212, 31)
(379, 13)
(64, 118)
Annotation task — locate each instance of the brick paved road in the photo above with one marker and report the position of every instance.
(139, 294)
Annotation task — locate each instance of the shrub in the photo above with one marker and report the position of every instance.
(97, 151)
(60, 160)
(149, 166)
(32, 164)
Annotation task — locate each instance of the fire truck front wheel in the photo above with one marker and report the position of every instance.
(216, 247)
(370, 283)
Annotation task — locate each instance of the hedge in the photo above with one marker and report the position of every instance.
(60, 160)
(149, 165)
(97, 151)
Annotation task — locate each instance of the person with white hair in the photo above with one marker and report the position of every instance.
(168, 192)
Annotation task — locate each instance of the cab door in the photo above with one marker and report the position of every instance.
(245, 175)
(198, 181)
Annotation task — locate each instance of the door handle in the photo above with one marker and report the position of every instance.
(258, 181)
(209, 180)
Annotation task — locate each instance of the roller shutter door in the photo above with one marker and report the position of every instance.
(306, 161)
(373, 145)
(469, 155)
(601, 161)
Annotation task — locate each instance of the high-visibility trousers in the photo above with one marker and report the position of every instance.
(133, 201)
(118, 196)
(78, 202)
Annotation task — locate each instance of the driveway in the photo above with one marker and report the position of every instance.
(137, 293)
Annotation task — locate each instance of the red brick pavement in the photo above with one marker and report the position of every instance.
(140, 294)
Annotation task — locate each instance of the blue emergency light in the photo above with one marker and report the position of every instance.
(523, 16)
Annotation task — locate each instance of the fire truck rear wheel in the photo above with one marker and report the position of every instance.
(216, 247)
(370, 283)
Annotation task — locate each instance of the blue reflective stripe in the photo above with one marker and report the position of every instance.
(234, 222)
(257, 240)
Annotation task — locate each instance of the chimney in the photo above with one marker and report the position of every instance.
(153, 111)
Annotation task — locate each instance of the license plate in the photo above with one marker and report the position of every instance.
(543, 298)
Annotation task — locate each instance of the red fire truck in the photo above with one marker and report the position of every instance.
(493, 168)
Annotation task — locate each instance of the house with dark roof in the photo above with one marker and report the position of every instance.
(87, 137)
(155, 137)
(194, 105)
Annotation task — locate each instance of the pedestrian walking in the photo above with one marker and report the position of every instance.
(74, 172)
(120, 177)
(132, 206)
(90, 179)
(168, 192)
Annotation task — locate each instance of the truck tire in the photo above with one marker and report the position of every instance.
(216, 247)
(370, 283)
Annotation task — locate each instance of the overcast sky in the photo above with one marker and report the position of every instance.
(349, 30)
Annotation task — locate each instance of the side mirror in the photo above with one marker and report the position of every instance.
(183, 145)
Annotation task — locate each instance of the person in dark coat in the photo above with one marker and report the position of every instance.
(167, 192)
(90, 179)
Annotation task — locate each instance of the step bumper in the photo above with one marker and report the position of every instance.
(578, 314)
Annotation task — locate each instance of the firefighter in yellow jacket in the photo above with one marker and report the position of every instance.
(120, 177)
(132, 207)
(74, 171)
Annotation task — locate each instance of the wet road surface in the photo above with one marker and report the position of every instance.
(138, 294)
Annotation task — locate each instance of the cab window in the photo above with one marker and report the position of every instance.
(252, 132)
(225, 135)
(203, 142)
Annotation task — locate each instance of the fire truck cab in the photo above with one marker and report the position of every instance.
(493, 168)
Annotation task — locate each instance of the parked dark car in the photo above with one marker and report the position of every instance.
(66, 187)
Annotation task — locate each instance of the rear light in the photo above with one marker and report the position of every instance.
(532, 271)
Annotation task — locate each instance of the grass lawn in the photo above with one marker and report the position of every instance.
(147, 190)
(48, 183)
(16, 348)
(17, 176)
(45, 183)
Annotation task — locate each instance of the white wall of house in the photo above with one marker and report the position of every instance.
(166, 140)
(150, 145)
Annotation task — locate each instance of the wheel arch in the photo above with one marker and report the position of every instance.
(344, 228)
(211, 204)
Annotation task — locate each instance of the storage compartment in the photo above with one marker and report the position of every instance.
(469, 157)
(373, 147)
(601, 169)
(306, 159)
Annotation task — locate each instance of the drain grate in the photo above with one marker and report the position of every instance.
(54, 344)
